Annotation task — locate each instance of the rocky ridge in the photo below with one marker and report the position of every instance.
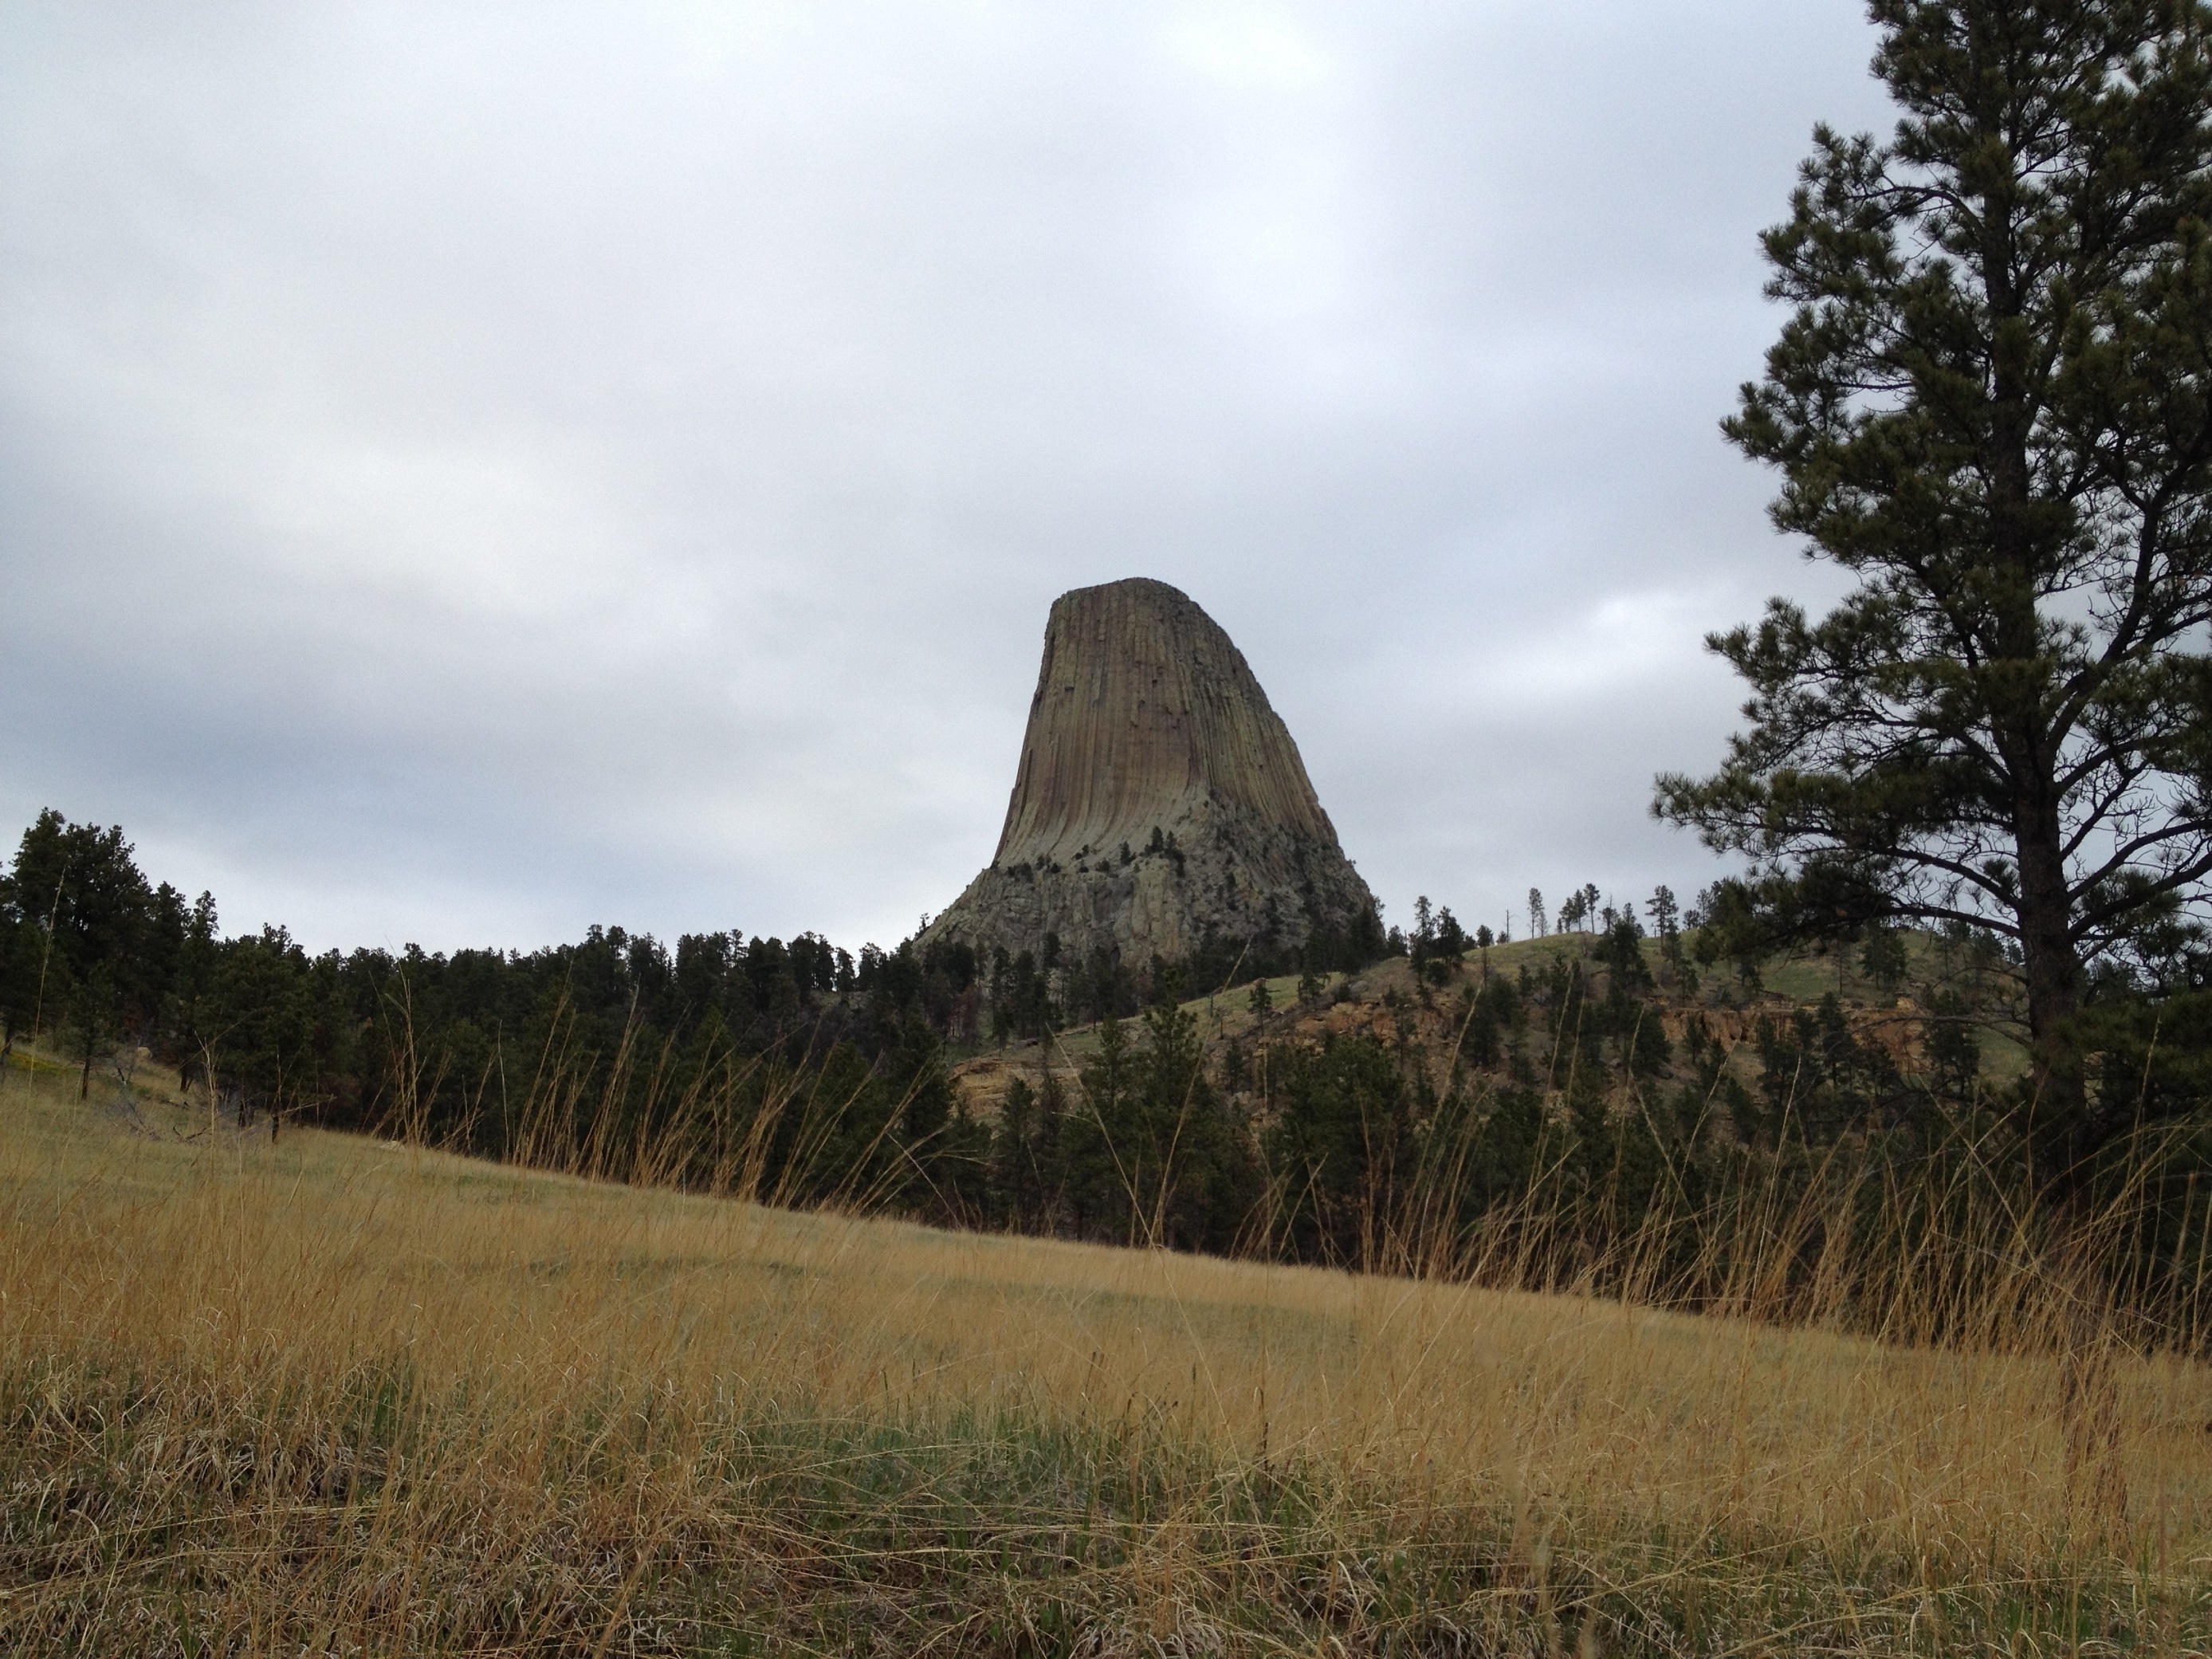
(1425, 1025)
(1159, 798)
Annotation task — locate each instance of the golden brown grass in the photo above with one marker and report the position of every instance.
(335, 1396)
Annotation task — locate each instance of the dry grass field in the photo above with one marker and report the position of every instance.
(330, 1396)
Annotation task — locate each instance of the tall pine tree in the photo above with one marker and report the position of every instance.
(1991, 406)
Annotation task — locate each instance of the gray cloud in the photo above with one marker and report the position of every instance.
(466, 472)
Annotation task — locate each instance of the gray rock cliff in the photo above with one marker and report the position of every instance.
(1158, 797)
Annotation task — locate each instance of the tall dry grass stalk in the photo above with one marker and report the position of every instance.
(770, 1126)
(332, 1396)
(1954, 1246)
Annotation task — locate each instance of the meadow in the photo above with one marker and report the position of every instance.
(330, 1394)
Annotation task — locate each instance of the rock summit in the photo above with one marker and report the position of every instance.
(1160, 802)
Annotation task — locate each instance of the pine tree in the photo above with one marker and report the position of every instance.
(90, 1022)
(1100, 1138)
(1013, 1155)
(1882, 957)
(1993, 405)
(1667, 922)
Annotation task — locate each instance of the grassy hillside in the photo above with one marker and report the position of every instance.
(1388, 998)
(332, 1396)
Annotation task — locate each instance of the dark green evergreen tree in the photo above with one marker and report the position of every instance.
(1667, 926)
(1882, 957)
(915, 1073)
(259, 1001)
(1013, 1168)
(1339, 1152)
(79, 885)
(1993, 405)
(1101, 1141)
(1452, 940)
(1025, 1155)
(20, 941)
(89, 1024)
(1194, 1176)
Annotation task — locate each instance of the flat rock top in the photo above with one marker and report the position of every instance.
(1144, 709)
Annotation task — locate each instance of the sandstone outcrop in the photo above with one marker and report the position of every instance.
(1159, 798)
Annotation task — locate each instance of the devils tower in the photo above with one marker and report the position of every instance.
(1159, 798)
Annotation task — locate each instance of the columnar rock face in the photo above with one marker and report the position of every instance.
(1159, 798)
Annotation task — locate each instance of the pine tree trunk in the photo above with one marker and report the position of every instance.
(2057, 1111)
(2058, 1108)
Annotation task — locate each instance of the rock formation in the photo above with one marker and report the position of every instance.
(1159, 798)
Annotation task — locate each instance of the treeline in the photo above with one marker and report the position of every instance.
(596, 1054)
(791, 1069)
(1577, 1121)
(1579, 1124)
(1031, 994)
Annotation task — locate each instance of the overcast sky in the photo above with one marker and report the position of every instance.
(467, 472)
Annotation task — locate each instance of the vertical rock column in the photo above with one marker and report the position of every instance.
(1158, 796)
